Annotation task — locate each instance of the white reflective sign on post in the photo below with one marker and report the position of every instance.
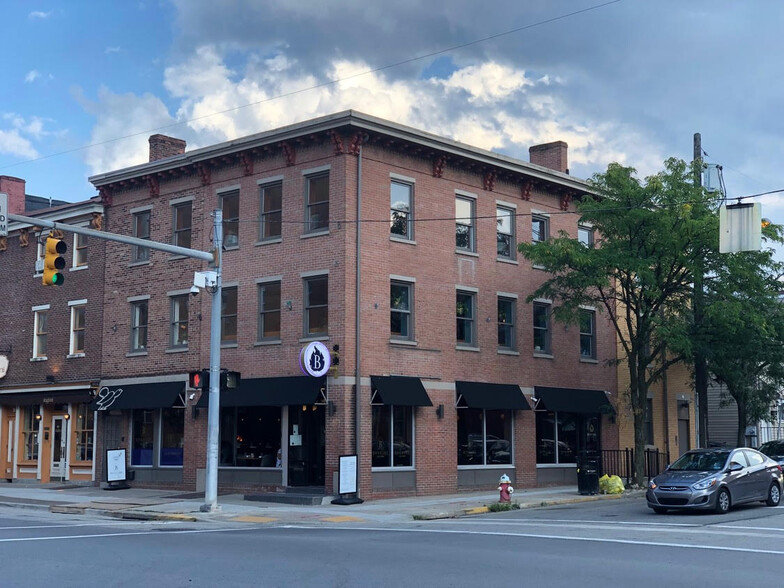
(3, 214)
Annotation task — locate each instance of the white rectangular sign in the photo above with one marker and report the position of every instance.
(347, 478)
(3, 214)
(115, 461)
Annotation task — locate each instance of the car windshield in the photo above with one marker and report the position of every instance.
(704, 461)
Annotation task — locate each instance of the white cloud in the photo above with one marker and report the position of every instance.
(39, 14)
(109, 50)
(31, 76)
(12, 143)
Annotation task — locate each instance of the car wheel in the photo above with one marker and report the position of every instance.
(723, 501)
(659, 510)
(774, 495)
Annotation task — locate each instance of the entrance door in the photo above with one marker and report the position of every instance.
(306, 445)
(58, 447)
(7, 446)
(683, 427)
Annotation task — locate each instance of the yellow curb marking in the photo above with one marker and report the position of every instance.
(477, 510)
(254, 519)
(342, 519)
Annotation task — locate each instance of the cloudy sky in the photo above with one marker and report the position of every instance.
(85, 83)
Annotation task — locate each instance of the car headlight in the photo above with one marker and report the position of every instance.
(652, 485)
(705, 484)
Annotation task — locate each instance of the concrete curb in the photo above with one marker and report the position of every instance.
(131, 515)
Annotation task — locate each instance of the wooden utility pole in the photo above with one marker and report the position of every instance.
(700, 363)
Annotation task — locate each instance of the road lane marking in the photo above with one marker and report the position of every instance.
(254, 519)
(127, 534)
(343, 519)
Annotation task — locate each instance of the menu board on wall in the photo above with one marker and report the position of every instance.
(115, 461)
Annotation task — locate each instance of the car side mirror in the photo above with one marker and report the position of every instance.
(735, 467)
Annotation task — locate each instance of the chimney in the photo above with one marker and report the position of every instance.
(162, 147)
(15, 188)
(552, 155)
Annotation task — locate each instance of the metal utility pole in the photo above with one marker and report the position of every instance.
(700, 362)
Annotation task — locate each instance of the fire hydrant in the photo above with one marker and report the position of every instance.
(505, 487)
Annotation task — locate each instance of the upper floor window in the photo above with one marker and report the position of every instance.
(465, 237)
(139, 319)
(141, 230)
(77, 328)
(229, 315)
(506, 323)
(271, 210)
(80, 250)
(401, 219)
(316, 300)
(466, 325)
(230, 205)
(317, 202)
(41, 330)
(400, 305)
(540, 228)
(179, 321)
(587, 334)
(541, 327)
(181, 224)
(269, 311)
(505, 232)
(585, 235)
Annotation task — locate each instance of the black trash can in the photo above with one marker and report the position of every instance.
(588, 467)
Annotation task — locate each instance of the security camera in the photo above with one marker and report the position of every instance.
(194, 290)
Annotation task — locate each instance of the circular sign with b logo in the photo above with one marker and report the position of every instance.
(314, 359)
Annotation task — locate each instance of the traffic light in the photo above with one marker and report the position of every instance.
(200, 379)
(54, 261)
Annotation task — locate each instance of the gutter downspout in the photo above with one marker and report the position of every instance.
(357, 339)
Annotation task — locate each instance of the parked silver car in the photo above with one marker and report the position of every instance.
(715, 479)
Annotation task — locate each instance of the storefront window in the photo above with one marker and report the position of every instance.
(142, 447)
(172, 436)
(250, 436)
(30, 433)
(484, 437)
(393, 436)
(84, 426)
(560, 435)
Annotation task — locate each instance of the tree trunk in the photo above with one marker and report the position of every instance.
(639, 397)
(742, 420)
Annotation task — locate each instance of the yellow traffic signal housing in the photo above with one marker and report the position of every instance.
(54, 261)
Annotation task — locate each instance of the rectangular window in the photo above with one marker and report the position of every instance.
(182, 215)
(271, 211)
(400, 306)
(139, 319)
(250, 437)
(179, 321)
(393, 436)
(506, 323)
(229, 315)
(77, 328)
(465, 237)
(484, 437)
(80, 250)
(172, 436)
(30, 432)
(316, 299)
(84, 427)
(585, 235)
(505, 232)
(269, 311)
(541, 328)
(317, 202)
(540, 228)
(560, 436)
(587, 334)
(230, 205)
(465, 319)
(401, 221)
(41, 320)
(141, 230)
(142, 439)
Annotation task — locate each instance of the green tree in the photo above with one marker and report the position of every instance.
(651, 235)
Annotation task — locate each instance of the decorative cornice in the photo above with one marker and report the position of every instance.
(438, 166)
(337, 141)
(288, 153)
(205, 172)
(566, 198)
(105, 192)
(96, 222)
(247, 163)
(154, 185)
(525, 191)
(24, 237)
(356, 143)
(488, 180)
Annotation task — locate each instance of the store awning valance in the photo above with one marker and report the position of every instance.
(398, 390)
(490, 396)
(281, 391)
(46, 397)
(143, 396)
(573, 400)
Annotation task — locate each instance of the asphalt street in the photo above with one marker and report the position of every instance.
(605, 543)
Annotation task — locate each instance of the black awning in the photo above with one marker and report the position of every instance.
(149, 396)
(490, 396)
(573, 400)
(47, 397)
(281, 391)
(399, 390)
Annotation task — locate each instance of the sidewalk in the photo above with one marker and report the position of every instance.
(144, 504)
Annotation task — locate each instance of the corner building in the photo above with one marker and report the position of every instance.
(397, 250)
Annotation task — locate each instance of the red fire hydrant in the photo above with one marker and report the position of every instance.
(505, 487)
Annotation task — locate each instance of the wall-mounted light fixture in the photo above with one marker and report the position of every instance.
(440, 411)
(331, 408)
(289, 305)
(38, 417)
(50, 379)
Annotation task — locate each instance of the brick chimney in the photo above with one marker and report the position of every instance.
(552, 155)
(162, 147)
(15, 188)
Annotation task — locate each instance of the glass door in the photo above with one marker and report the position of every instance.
(7, 447)
(306, 445)
(58, 447)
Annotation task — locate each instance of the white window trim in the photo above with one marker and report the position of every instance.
(505, 204)
(139, 209)
(401, 178)
(182, 200)
(270, 180)
(314, 273)
(74, 267)
(81, 302)
(506, 295)
(137, 298)
(36, 310)
(467, 289)
(226, 189)
(316, 170)
(397, 278)
(269, 279)
(73, 305)
(409, 282)
(463, 195)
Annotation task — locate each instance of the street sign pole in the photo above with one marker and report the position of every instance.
(3, 214)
